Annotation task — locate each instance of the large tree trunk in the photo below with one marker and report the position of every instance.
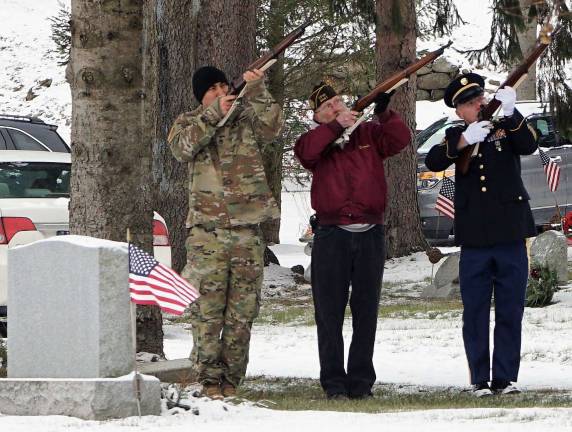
(395, 49)
(181, 36)
(272, 155)
(184, 36)
(111, 158)
(527, 40)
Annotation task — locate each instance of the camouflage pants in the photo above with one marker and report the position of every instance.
(227, 267)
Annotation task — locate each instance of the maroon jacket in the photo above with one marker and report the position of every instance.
(348, 185)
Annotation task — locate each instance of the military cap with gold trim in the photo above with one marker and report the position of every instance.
(464, 88)
(320, 94)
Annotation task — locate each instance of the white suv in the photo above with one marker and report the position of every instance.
(34, 198)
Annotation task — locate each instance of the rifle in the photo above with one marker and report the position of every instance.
(513, 80)
(262, 63)
(393, 82)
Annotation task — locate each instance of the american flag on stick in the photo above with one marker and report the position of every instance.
(152, 283)
(551, 169)
(445, 199)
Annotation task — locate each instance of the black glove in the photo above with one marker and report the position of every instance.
(382, 101)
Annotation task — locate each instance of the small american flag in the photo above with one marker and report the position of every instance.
(445, 198)
(551, 169)
(152, 283)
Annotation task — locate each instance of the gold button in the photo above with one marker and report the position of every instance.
(520, 198)
(482, 178)
(480, 155)
(484, 189)
(481, 166)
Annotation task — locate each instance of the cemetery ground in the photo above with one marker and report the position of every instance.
(419, 355)
(422, 378)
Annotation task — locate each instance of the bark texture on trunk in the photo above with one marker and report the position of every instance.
(272, 156)
(111, 154)
(395, 50)
(180, 36)
(185, 35)
(527, 40)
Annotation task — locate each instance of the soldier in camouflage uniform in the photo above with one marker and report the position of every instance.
(228, 198)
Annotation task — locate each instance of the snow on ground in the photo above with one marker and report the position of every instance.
(402, 342)
(25, 60)
(218, 416)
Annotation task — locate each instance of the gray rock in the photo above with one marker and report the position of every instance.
(423, 95)
(424, 70)
(495, 83)
(446, 281)
(444, 66)
(31, 95)
(170, 371)
(437, 94)
(298, 269)
(70, 317)
(46, 83)
(433, 81)
(550, 249)
(93, 399)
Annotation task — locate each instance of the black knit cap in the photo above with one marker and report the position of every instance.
(204, 78)
(321, 93)
(464, 88)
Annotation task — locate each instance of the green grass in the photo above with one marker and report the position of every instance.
(429, 309)
(280, 312)
(287, 311)
(297, 394)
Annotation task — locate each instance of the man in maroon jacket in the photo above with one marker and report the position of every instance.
(348, 194)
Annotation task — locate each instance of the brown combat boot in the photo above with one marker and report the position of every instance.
(212, 391)
(228, 390)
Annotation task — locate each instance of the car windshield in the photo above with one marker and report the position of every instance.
(427, 141)
(34, 179)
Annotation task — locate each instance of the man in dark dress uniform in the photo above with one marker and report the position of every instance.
(492, 221)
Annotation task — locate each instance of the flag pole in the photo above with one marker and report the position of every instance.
(132, 307)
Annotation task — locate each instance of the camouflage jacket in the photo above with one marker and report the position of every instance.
(227, 183)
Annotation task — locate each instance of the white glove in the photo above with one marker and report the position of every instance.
(507, 96)
(477, 131)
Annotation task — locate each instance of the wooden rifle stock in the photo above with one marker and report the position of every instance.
(397, 79)
(513, 80)
(238, 83)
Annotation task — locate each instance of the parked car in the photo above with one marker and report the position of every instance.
(439, 228)
(34, 200)
(29, 133)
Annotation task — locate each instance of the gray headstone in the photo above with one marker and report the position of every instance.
(550, 249)
(446, 281)
(69, 309)
(94, 399)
